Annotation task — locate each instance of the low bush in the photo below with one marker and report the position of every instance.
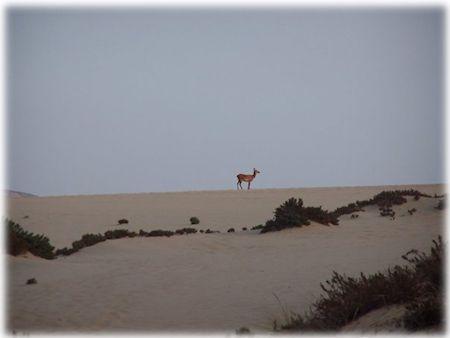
(386, 211)
(92, 239)
(185, 231)
(16, 245)
(418, 286)
(257, 227)
(383, 199)
(230, 230)
(348, 209)
(292, 213)
(209, 231)
(31, 281)
(243, 330)
(160, 233)
(116, 234)
(194, 220)
(20, 240)
(318, 215)
(122, 221)
(244, 229)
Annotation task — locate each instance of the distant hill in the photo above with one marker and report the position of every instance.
(13, 193)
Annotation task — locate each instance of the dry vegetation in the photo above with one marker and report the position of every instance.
(292, 213)
(417, 285)
(21, 241)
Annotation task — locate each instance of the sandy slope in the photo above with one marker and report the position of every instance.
(199, 282)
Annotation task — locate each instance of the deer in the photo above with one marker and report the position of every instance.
(246, 178)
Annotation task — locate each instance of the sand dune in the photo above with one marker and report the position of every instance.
(201, 282)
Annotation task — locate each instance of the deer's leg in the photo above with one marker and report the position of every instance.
(248, 186)
(237, 184)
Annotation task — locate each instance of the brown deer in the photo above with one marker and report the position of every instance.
(246, 178)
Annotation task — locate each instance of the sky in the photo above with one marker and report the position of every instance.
(142, 100)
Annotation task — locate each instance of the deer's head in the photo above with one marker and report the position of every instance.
(256, 171)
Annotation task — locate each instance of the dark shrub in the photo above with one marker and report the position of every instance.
(115, 234)
(209, 231)
(317, 214)
(389, 198)
(424, 313)
(354, 216)
(244, 229)
(143, 233)
(202, 231)
(243, 330)
(386, 211)
(64, 252)
(257, 227)
(349, 209)
(31, 281)
(419, 286)
(288, 215)
(186, 231)
(38, 245)
(91, 239)
(160, 233)
(230, 230)
(292, 214)
(16, 245)
(385, 199)
(194, 220)
(122, 221)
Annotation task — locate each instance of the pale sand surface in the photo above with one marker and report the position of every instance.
(200, 282)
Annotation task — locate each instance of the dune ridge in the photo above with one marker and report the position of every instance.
(205, 282)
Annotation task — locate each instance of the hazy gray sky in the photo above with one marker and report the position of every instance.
(123, 100)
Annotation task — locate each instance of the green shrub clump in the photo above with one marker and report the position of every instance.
(20, 240)
(92, 239)
(194, 220)
(292, 213)
(257, 227)
(185, 231)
